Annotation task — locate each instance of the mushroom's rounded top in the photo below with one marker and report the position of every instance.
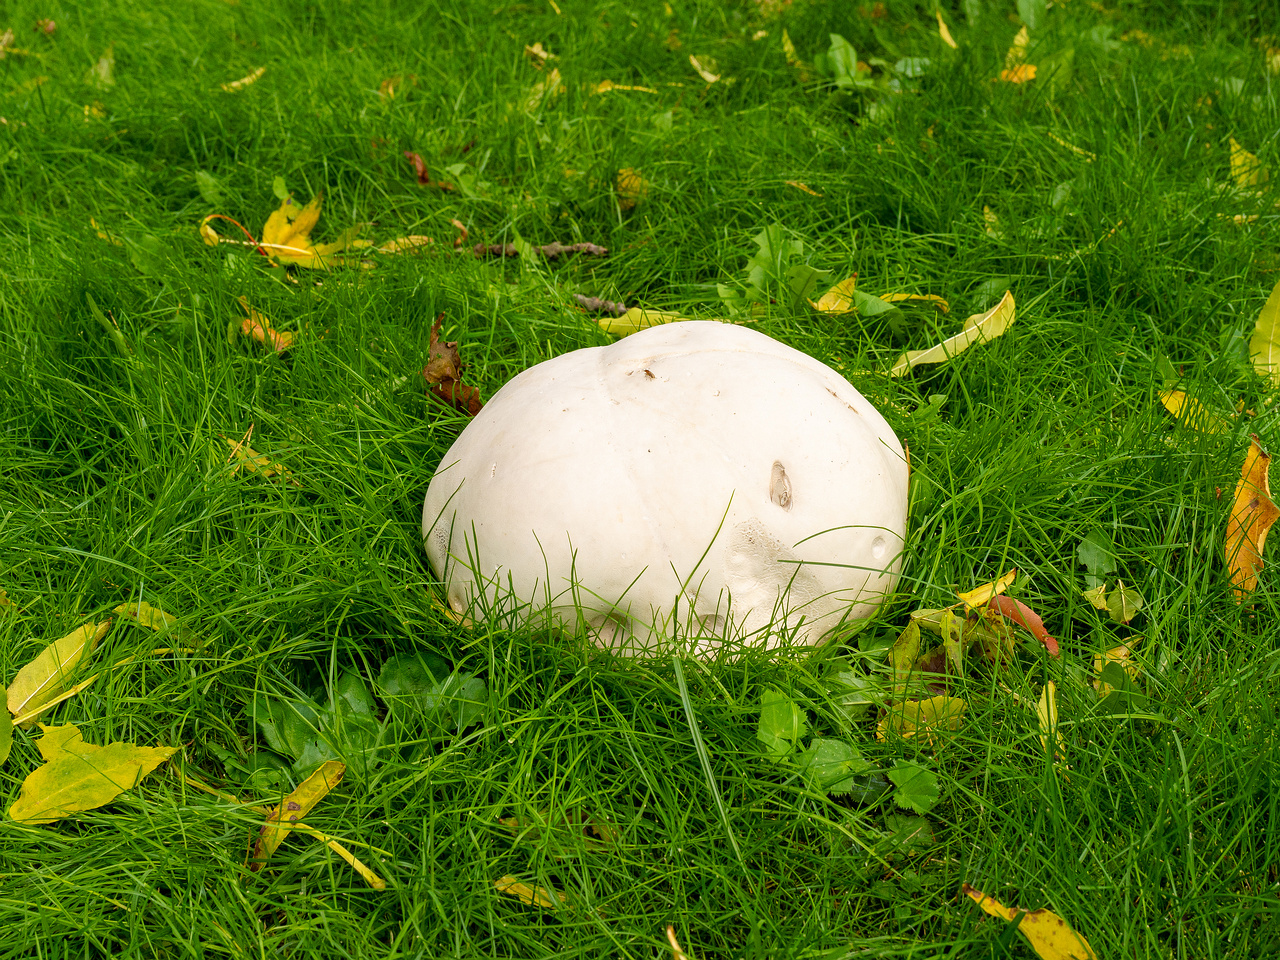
(694, 480)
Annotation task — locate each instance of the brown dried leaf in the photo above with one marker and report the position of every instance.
(443, 374)
(1252, 515)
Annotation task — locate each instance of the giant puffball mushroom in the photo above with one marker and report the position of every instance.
(695, 483)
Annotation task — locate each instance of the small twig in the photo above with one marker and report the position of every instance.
(612, 308)
(552, 251)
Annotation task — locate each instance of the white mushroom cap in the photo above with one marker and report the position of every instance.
(695, 480)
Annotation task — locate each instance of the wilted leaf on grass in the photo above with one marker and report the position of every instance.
(923, 718)
(782, 724)
(391, 86)
(979, 596)
(258, 326)
(802, 187)
(1246, 169)
(945, 33)
(1264, 345)
(243, 455)
(677, 951)
(530, 895)
(941, 304)
(147, 615)
(1025, 617)
(249, 78)
(423, 173)
(1252, 515)
(978, 328)
(604, 86)
(839, 299)
(1022, 73)
(1048, 934)
(80, 776)
(1017, 52)
(45, 677)
(293, 808)
(443, 374)
(6, 733)
(286, 236)
(1192, 412)
(543, 91)
(632, 188)
(702, 69)
(636, 318)
(410, 244)
(1119, 656)
(918, 787)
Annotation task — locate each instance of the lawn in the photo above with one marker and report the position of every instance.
(627, 796)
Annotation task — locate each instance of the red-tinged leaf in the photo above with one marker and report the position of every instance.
(419, 167)
(443, 374)
(1026, 618)
(1252, 516)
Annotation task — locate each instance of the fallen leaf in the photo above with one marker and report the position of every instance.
(102, 74)
(443, 374)
(604, 86)
(1123, 603)
(942, 305)
(992, 224)
(1192, 412)
(286, 236)
(6, 734)
(1264, 345)
(1047, 714)
(389, 87)
(94, 111)
(1252, 514)
(245, 456)
(244, 81)
(46, 26)
(1049, 935)
(543, 91)
(703, 72)
(45, 677)
(1097, 596)
(423, 174)
(530, 895)
(293, 808)
(677, 952)
(1022, 73)
(839, 299)
(979, 596)
(1121, 656)
(1246, 169)
(147, 615)
(552, 251)
(945, 33)
(80, 776)
(1017, 52)
(635, 319)
(102, 235)
(978, 328)
(577, 825)
(538, 54)
(922, 717)
(404, 245)
(1025, 617)
(258, 326)
(802, 187)
(632, 188)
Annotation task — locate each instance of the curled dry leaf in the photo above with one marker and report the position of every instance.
(144, 613)
(1026, 618)
(1252, 516)
(677, 952)
(1048, 934)
(538, 54)
(244, 81)
(258, 326)
(461, 238)
(702, 70)
(412, 244)
(802, 187)
(552, 251)
(611, 308)
(424, 174)
(1022, 73)
(977, 329)
(443, 374)
(942, 305)
(45, 677)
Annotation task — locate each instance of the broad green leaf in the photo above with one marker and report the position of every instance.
(422, 684)
(918, 788)
(279, 189)
(830, 766)
(80, 776)
(45, 677)
(1264, 345)
(1105, 665)
(843, 61)
(803, 280)
(1048, 934)
(1032, 13)
(1123, 603)
(853, 693)
(990, 291)
(1098, 554)
(293, 808)
(774, 257)
(978, 328)
(207, 184)
(781, 725)
(908, 831)
(872, 306)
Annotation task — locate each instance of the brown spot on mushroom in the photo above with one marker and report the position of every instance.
(649, 374)
(780, 486)
(842, 400)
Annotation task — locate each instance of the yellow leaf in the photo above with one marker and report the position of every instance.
(94, 111)
(46, 676)
(538, 54)
(1022, 73)
(114, 241)
(945, 33)
(405, 244)
(6, 734)
(1252, 515)
(803, 187)
(677, 951)
(839, 299)
(147, 615)
(294, 807)
(209, 235)
(530, 895)
(992, 223)
(1098, 597)
(371, 878)
(1264, 345)
(702, 70)
(942, 305)
(542, 91)
(632, 188)
(81, 776)
(1018, 51)
(789, 50)
(636, 319)
(977, 329)
(922, 717)
(245, 456)
(1047, 713)
(389, 87)
(1048, 934)
(243, 82)
(1121, 656)
(604, 86)
(1246, 169)
(1192, 412)
(979, 596)
(1072, 147)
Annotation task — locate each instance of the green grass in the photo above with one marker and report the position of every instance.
(1163, 837)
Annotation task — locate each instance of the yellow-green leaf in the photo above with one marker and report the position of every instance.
(922, 717)
(945, 33)
(1123, 603)
(1246, 169)
(529, 894)
(1047, 713)
(81, 776)
(45, 677)
(979, 596)
(978, 328)
(294, 807)
(1098, 597)
(941, 304)
(147, 615)
(636, 319)
(1121, 656)
(1264, 345)
(286, 237)
(839, 299)
(6, 734)
(1192, 412)
(1049, 935)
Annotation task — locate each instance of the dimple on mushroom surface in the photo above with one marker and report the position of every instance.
(695, 481)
